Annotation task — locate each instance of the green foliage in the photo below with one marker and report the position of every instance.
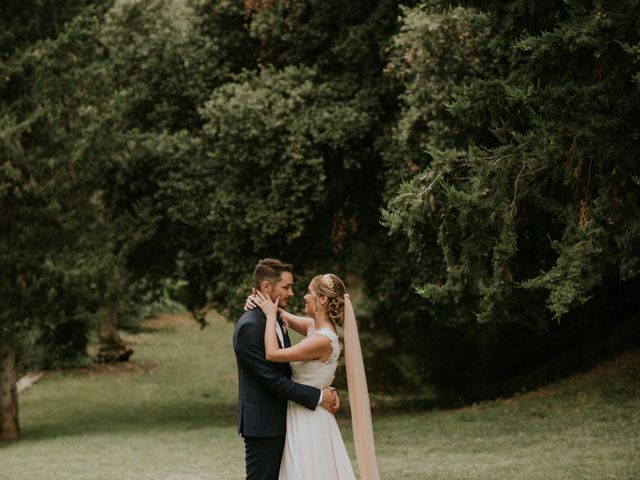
(143, 301)
(518, 201)
(51, 135)
(25, 22)
(163, 142)
(434, 53)
(167, 60)
(273, 144)
(541, 209)
(334, 36)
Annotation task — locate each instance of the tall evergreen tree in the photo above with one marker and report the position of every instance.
(524, 210)
(51, 133)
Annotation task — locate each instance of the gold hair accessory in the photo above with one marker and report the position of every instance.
(327, 281)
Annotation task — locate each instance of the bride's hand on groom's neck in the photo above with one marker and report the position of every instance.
(251, 300)
(268, 307)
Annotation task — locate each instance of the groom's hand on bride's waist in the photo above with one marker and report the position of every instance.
(330, 399)
(336, 404)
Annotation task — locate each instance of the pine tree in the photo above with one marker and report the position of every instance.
(527, 185)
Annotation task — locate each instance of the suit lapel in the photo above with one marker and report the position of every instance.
(285, 335)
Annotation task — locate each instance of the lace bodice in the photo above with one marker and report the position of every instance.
(314, 372)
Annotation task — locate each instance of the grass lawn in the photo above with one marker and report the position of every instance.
(170, 414)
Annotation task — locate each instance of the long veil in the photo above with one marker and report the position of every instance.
(358, 396)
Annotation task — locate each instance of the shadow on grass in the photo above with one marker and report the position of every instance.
(138, 418)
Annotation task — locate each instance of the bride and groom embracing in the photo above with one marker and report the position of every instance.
(286, 435)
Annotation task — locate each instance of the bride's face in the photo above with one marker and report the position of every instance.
(310, 300)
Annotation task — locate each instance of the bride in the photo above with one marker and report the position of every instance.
(314, 448)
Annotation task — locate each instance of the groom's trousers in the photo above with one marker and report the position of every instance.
(263, 456)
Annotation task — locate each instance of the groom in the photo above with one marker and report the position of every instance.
(265, 387)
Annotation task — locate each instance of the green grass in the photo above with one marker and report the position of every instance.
(170, 414)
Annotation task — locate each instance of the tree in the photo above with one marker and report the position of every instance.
(304, 116)
(526, 205)
(271, 144)
(164, 65)
(50, 243)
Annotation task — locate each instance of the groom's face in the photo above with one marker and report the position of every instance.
(283, 289)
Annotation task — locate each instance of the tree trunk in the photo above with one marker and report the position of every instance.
(112, 347)
(9, 424)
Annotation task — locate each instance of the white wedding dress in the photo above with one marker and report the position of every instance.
(314, 449)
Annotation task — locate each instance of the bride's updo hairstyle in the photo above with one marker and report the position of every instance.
(331, 286)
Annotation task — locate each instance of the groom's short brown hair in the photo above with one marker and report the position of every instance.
(269, 269)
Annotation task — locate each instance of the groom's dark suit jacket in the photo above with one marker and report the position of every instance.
(264, 387)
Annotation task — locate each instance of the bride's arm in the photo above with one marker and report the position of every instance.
(316, 347)
(312, 348)
(298, 323)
